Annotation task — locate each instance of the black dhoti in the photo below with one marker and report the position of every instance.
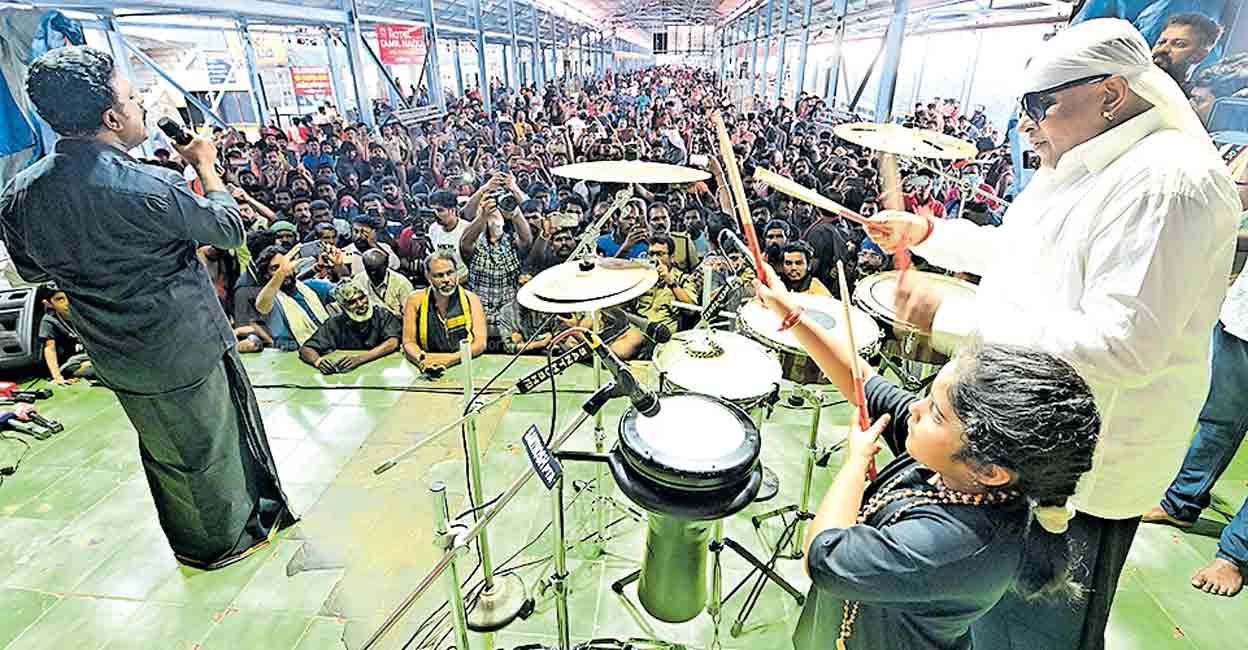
(209, 466)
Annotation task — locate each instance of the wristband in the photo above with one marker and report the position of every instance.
(790, 320)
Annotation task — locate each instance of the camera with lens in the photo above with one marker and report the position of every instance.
(505, 201)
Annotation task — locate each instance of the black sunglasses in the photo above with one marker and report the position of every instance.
(1036, 104)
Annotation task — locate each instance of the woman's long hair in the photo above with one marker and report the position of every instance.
(1032, 414)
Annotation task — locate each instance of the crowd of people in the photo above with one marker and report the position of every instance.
(416, 237)
(328, 202)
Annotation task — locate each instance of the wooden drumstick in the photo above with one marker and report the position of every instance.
(802, 193)
(738, 193)
(860, 391)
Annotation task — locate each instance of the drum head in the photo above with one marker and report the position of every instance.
(723, 364)
(761, 323)
(877, 294)
(695, 442)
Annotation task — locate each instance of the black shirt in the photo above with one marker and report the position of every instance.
(62, 334)
(119, 237)
(340, 332)
(921, 580)
(830, 244)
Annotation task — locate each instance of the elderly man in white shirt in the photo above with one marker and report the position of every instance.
(1116, 260)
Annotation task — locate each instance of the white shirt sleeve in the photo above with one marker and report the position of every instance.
(960, 245)
(1139, 292)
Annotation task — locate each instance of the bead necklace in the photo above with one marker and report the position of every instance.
(942, 494)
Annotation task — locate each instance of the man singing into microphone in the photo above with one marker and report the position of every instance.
(130, 270)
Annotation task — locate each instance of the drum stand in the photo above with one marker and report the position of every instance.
(793, 535)
(601, 501)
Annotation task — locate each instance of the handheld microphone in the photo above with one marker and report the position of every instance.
(626, 385)
(657, 332)
(174, 131)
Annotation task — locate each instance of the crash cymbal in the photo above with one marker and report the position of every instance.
(587, 285)
(630, 171)
(911, 143)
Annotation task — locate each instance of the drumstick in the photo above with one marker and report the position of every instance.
(860, 392)
(738, 192)
(802, 193)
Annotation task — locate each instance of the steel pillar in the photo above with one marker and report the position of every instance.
(754, 53)
(355, 57)
(459, 69)
(433, 65)
(762, 83)
(784, 37)
(515, 46)
(839, 8)
(483, 76)
(802, 52)
(537, 61)
(892, 60)
(253, 75)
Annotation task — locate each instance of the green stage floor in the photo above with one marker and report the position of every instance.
(83, 563)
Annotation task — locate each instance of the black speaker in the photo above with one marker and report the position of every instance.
(1229, 114)
(19, 328)
(660, 42)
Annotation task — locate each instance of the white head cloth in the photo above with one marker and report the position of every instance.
(1113, 46)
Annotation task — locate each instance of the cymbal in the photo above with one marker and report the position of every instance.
(912, 143)
(630, 171)
(587, 285)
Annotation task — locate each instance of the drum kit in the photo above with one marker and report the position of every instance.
(696, 461)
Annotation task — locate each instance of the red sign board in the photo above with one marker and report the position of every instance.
(311, 80)
(401, 44)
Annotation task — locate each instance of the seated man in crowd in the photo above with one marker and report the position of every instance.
(656, 304)
(684, 255)
(437, 319)
(628, 239)
(797, 274)
(364, 231)
(385, 287)
(775, 237)
(293, 309)
(67, 362)
(360, 327)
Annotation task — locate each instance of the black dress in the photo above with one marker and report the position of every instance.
(920, 580)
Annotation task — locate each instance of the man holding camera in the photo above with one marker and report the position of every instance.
(493, 254)
(202, 441)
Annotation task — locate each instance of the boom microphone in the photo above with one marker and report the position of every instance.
(626, 385)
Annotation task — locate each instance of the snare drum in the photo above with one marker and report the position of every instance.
(760, 324)
(694, 462)
(876, 295)
(717, 363)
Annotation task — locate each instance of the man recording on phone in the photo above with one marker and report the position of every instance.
(201, 438)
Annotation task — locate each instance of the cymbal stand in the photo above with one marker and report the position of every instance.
(589, 239)
(601, 500)
(793, 534)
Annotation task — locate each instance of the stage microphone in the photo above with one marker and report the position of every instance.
(626, 385)
(174, 131)
(657, 332)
